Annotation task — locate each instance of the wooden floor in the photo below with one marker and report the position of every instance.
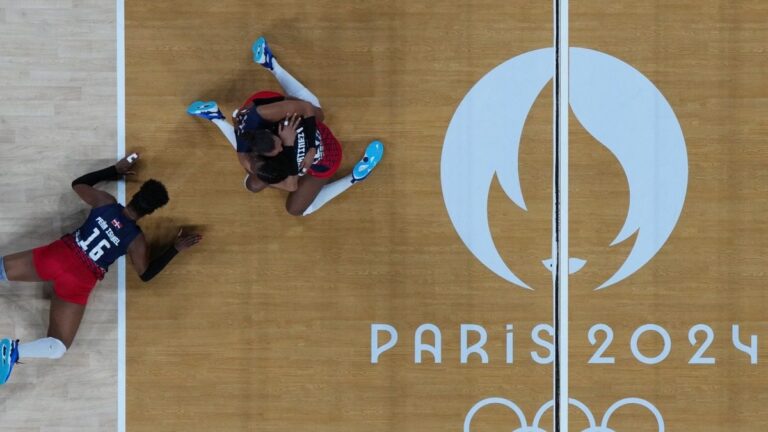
(707, 58)
(57, 121)
(267, 325)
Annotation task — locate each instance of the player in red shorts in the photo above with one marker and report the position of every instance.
(283, 143)
(77, 261)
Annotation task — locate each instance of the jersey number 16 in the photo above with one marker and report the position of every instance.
(97, 250)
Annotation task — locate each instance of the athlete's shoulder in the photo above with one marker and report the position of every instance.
(110, 208)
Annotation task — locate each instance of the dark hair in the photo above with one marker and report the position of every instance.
(261, 141)
(149, 198)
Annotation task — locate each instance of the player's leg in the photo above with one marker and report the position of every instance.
(263, 56)
(11, 351)
(64, 320)
(363, 168)
(299, 200)
(19, 267)
(48, 347)
(210, 111)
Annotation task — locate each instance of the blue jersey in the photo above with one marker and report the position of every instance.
(106, 234)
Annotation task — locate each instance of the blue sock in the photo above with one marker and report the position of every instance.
(3, 277)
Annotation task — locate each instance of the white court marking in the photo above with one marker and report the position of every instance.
(120, 24)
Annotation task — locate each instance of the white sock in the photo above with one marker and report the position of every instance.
(228, 130)
(329, 192)
(292, 86)
(50, 348)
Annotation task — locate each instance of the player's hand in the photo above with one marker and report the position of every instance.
(287, 129)
(125, 165)
(309, 159)
(186, 241)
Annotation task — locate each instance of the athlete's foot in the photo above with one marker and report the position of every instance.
(9, 356)
(262, 54)
(207, 110)
(373, 154)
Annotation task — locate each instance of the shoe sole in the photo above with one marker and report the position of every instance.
(200, 107)
(205, 110)
(260, 48)
(376, 159)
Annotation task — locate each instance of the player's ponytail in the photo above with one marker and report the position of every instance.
(149, 198)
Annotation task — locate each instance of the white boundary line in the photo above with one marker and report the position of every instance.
(555, 258)
(120, 24)
(563, 45)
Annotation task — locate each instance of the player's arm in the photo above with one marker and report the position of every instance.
(84, 185)
(277, 111)
(309, 159)
(246, 161)
(147, 269)
(290, 184)
(250, 162)
(287, 133)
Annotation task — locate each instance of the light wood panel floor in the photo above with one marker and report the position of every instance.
(57, 120)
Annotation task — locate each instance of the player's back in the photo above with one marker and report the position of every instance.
(106, 234)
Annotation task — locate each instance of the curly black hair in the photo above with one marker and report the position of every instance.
(262, 141)
(149, 198)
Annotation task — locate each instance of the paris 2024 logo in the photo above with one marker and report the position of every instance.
(614, 102)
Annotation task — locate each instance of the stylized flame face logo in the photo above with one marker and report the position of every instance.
(536, 424)
(614, 102)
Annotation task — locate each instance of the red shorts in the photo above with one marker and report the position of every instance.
(262, 95)
(62, 263)
(329, 164)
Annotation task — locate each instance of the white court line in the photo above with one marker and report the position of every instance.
(120, 24)
(561, 273)
(555, 225)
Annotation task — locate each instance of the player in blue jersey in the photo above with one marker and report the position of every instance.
(282, 142)
(77, 261)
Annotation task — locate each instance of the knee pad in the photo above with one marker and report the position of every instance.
(57, 349)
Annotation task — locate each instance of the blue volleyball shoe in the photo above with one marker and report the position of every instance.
(9, 356)
(207, 110)
(373, 154)
(262, 54)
